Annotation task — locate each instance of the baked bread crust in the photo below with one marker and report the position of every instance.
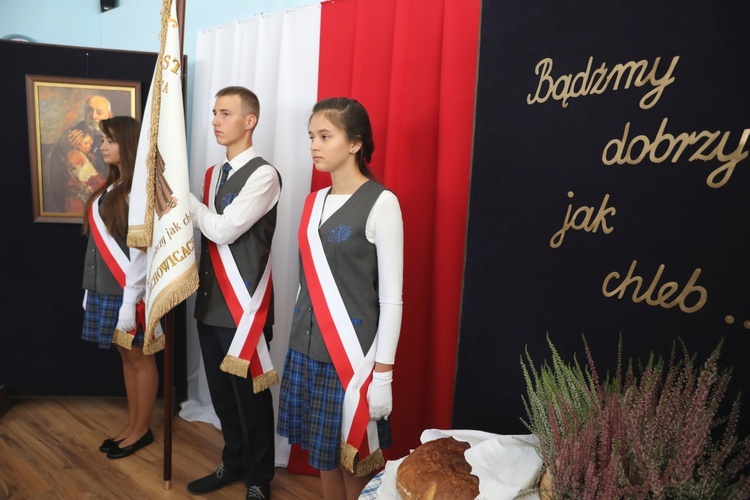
(437, 470)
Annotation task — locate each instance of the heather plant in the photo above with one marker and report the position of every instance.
(655, 434)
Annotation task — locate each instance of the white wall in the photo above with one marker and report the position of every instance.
(132, 25)
(73, 22)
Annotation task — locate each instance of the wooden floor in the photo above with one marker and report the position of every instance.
(49, 450)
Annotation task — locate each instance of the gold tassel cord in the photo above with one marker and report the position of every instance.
(123, 339)
(140, 236)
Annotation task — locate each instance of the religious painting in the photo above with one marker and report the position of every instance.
(65, 139)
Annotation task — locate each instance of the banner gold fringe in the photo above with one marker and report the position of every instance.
(142, 236)
(123, 339)
(265, 381)
(154, 344)
(360, 468)
(180, 289)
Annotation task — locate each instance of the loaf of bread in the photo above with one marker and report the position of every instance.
(437, 470)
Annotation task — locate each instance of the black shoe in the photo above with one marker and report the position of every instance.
(263, 492)
(217, 479)
(117, 452)
(108, 444)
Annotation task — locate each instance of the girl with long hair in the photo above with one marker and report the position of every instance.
(114, 280)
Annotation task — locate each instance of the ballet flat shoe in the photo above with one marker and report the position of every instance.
(118, 452)
(108, 444)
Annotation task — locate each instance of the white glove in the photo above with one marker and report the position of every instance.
(126, 318)
(379, 396)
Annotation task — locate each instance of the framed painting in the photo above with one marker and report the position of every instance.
(65, 139)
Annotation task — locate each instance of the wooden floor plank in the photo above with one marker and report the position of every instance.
(49, 450)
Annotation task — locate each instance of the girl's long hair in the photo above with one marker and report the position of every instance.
(123, 130)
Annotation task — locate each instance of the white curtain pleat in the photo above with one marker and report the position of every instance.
(275, 56)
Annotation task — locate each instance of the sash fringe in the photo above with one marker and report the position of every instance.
(235, 366)
(238, 366)
(265, 381)
(360, 468)
(123, 339)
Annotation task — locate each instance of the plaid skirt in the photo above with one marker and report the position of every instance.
(311, 410)
(100, 319)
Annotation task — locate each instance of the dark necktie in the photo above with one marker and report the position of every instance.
(224, 174)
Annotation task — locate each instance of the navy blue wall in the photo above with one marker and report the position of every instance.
(534, 157)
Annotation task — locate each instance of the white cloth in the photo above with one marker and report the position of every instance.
(276, 56)
(504, 464)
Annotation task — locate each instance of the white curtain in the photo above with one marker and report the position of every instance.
(275, 56)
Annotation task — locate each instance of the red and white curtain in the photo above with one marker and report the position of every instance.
(413, 65)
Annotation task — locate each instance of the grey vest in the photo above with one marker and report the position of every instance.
(96, 273)
(354, 264)
(250, 251)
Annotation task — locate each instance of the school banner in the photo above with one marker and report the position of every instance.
(609, 195)
(159, 219)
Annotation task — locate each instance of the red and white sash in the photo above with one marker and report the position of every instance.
(249, 350)
(119, 265)
(360, 448)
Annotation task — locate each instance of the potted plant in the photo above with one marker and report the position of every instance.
(652, 434)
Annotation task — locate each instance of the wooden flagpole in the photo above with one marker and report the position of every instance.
(169, 323)
(168, 337)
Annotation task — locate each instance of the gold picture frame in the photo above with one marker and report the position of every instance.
(64, 139)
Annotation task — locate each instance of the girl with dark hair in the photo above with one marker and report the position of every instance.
(114, 279)
(336, 387)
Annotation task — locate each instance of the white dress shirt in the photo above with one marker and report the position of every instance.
(259, 195)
